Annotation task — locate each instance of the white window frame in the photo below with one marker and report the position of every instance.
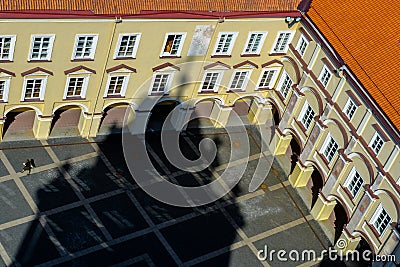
(281, 83)
(275, 47)
(12, 47)
(303, 114)
(353, 178)
(217, 82)
(168, 83)
(245, 81)
(135, 46)
(180, 46)
(49, 49)
(325, 146)
(84, 86)
(350, 102)
(375, 217)
(42, 86)
(272, 82)
(6, 89)
(231, 44)
(324, 70)
(302, 40)
(124, 84)
(93, 47)
(260, 44)
(373, 139)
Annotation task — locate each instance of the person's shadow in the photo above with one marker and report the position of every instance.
(92, 213)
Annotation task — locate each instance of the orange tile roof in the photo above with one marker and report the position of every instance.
(135, 6)
(367, 37)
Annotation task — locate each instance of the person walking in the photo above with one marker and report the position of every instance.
(27, 166)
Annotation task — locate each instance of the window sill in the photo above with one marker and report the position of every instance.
(74, 98)
(301, 126)
(124, 58)
(207, 92)
(236, 90)
(32, 100)
(3, 102)
(170, 56)
(82, 59)
(221, 56)
(114, 96)
(324, 159)
(6, 61)
(263, 89)
(250, 55)
(158, 94)
(277, 54)
(38, 60)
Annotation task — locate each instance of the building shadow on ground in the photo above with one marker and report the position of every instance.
(92, 212)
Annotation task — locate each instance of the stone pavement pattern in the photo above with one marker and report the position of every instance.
(80, 207)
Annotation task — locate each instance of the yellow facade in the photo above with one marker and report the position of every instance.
(328, 102)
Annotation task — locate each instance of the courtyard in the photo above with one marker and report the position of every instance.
(81, 207)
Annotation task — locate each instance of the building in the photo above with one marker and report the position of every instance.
(74, 66)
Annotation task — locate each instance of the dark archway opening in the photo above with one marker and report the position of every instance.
(341, 220)
(66, 121)
(317, 184)
(159, 113)
(362, 247)
(275, 115)
(19, 123)
(113, 118)
(295, 153)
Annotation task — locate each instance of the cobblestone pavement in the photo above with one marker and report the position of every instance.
(80, 207)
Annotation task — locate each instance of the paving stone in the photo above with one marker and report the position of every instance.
(18, 156)
(3, 170)
(264, 212)
(12, 203)
(200, 235)
(301, 239)
(119, 215)
(145, 250)
(70, 151)
(49, 189)
(92, 176)
(28, 244)
(75, 229)
(241, 257)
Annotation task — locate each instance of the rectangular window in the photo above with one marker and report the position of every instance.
(76, 86)
(381, 220)
(41, 47)
(33, 88)
(324, 76)
(239, 80)
(127, 46)
(285, 84)
(267, 79)
(354, 182)
(307, 116)
(225, 43)
(330, 148)
(117, 85)
(4, 87)
(7, 44)
(210, 82)
(85, 46)
(302, 45)
(376, 143)
(350, 108)
(282, 42)
(160, 83)
(173, 44)
(254, 43)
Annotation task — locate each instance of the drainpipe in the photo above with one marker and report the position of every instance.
(116, 21)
